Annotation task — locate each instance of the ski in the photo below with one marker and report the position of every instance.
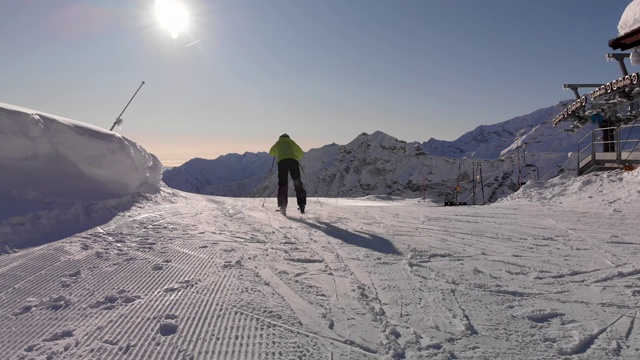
(278, 210)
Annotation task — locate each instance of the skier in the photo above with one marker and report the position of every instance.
(287, 153)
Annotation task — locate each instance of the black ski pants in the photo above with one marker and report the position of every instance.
(286, 166)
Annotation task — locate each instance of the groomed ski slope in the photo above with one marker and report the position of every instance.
(185, 276)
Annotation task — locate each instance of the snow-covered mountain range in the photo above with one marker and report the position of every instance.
(380, 164)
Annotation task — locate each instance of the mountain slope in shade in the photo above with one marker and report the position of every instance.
(234, 174)
(383, 165)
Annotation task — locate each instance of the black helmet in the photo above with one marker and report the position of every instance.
(284, 135)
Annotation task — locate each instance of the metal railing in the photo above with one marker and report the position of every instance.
(608, 148)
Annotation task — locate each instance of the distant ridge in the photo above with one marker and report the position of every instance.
(380, 164)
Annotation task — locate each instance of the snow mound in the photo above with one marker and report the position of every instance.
(57, 173)
(630, 19)
(82, 162)
(602, 189)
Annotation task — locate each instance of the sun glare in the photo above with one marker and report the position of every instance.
(172, 16)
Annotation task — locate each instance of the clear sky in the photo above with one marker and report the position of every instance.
(244, 71)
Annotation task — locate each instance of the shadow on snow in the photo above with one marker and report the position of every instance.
(49, 223)
(367, 241)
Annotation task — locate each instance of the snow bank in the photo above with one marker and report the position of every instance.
(50, 166)
(82, 162)
(606, 189)
(630, 18)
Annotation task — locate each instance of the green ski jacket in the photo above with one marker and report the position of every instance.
(285, 148)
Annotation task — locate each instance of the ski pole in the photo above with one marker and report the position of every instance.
(118, 119)
(481, 182)
(265, 198)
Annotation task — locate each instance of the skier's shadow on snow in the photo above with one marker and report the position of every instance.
(368, 241)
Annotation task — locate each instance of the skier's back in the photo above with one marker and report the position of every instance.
(287, 154)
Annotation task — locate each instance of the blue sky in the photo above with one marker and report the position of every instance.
(322, 71)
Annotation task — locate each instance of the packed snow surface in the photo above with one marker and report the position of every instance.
(551, 271)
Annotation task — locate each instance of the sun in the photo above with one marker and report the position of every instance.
(172, 16)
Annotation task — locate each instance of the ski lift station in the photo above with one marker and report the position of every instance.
(613, 108)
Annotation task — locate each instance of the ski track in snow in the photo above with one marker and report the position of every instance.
(197, 277)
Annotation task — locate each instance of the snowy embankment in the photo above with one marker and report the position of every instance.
(60, 176)
(604, 189)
